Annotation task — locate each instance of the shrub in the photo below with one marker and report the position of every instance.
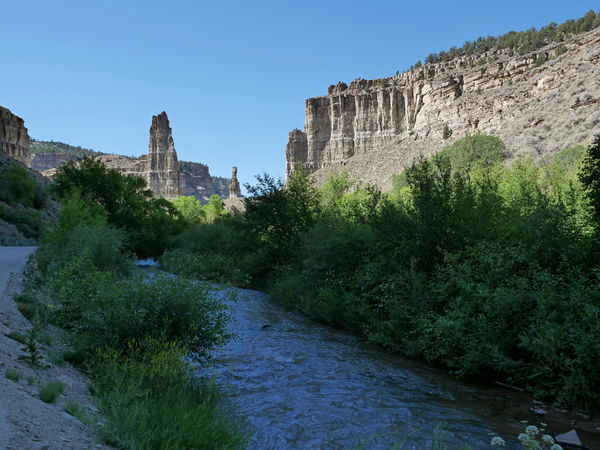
(50, 392)
(103, 245)
(152, 400)
(13, 374)
(28, 221)
(138, 309)
(19, 184)
(77, 411)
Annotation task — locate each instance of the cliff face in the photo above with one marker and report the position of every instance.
(196, 180)
(42, 162)
(14, 140)
(375, 128)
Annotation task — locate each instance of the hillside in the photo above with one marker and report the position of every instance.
(54, 148)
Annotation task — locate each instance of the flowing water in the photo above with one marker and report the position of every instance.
(299, 384)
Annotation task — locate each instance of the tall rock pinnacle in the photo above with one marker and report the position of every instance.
(162, 166)
(234, 185)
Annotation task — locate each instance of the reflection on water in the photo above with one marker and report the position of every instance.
(299, 384)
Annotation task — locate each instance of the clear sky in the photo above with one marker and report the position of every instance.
(232, 75)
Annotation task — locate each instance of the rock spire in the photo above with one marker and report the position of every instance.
(162, 165)
(234, 185)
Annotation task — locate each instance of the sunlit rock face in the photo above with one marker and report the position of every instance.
(375, 128)
(161, 163)
(234, 184)
(14, 140)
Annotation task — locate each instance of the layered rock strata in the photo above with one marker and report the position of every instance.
(14, 139)
(539, 102)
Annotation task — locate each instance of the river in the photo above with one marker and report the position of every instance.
(299, 384)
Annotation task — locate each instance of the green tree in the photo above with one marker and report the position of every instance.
(20, 185)
(190, 209)
(149, 222)
(214, 209)
(590, 176)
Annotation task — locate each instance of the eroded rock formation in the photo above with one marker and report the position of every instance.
(162, 166)
(14, 140)
(375, 128)
(234, 184)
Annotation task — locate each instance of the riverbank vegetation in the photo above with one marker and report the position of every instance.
(25, 206)
(486, 268)
(141, 337)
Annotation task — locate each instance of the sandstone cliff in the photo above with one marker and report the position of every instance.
(14, 140)
(375, 128)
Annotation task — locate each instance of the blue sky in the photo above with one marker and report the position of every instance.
(232, 75)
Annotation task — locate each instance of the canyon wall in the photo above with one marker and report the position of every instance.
(14, 140)
(538, 103)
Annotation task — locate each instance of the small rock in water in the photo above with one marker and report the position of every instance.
(570, 438)
(538, 411)
(266, 326)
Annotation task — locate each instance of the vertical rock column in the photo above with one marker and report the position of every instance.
(162, 166)
(234, 184)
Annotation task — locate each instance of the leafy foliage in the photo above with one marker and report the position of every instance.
(490, 270)
(152, 400)
(150, 223)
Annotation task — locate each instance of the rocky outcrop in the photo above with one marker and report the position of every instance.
(161, 164)
(14, 140)
(196, 180)
(42, 162)
(375, 128)
(234, 184)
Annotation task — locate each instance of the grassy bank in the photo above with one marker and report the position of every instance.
(134, 335)
(488, 269)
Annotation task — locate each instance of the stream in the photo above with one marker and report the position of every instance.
(299, 384)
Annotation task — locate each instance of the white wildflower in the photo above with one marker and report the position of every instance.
(556, 447)
(497, 442)
(524, 438)
(532, 430)
(547, 439)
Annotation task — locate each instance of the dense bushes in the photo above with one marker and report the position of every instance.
(134, 333)
(21, 199)
(488, 269)
(152, 400)
(129, 205)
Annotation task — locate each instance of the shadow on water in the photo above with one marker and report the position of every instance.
(303, 385)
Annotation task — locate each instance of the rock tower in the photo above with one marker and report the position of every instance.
(162, 166)
(234, 185)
